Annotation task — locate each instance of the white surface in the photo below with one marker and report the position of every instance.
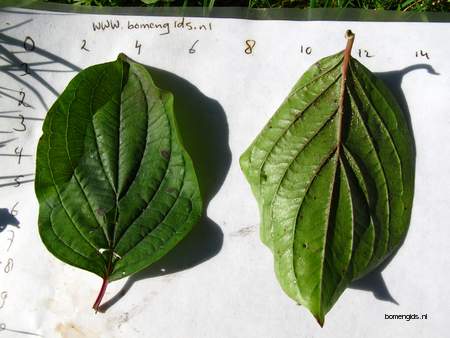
(235, 293)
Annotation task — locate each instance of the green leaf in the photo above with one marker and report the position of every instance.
(333, 174)
(149, 2)
(116, 188)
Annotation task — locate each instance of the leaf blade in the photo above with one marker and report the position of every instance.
(343, 199)
(112, 172)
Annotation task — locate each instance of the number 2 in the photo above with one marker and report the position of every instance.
(21, 101)
(83, 46)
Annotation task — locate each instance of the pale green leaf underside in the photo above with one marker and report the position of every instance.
(333, 203)
(116, 188)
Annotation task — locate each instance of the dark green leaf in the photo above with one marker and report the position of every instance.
(116, 188)
(333, 174)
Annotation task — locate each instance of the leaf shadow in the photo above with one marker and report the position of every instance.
(6, 218)
(374, 282)
(204, 130)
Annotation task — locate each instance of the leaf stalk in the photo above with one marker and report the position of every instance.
(347, 55)
(98, 301)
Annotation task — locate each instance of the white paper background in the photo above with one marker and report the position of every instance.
(234, 293)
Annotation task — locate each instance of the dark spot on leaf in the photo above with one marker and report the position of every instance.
(100, 211)
(165, 153)
(172, 191)
(305, 245)
(263, 177)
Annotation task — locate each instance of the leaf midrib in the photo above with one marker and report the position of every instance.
(159, 184)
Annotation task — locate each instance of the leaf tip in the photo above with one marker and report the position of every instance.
(320, 320)
(122, 57)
